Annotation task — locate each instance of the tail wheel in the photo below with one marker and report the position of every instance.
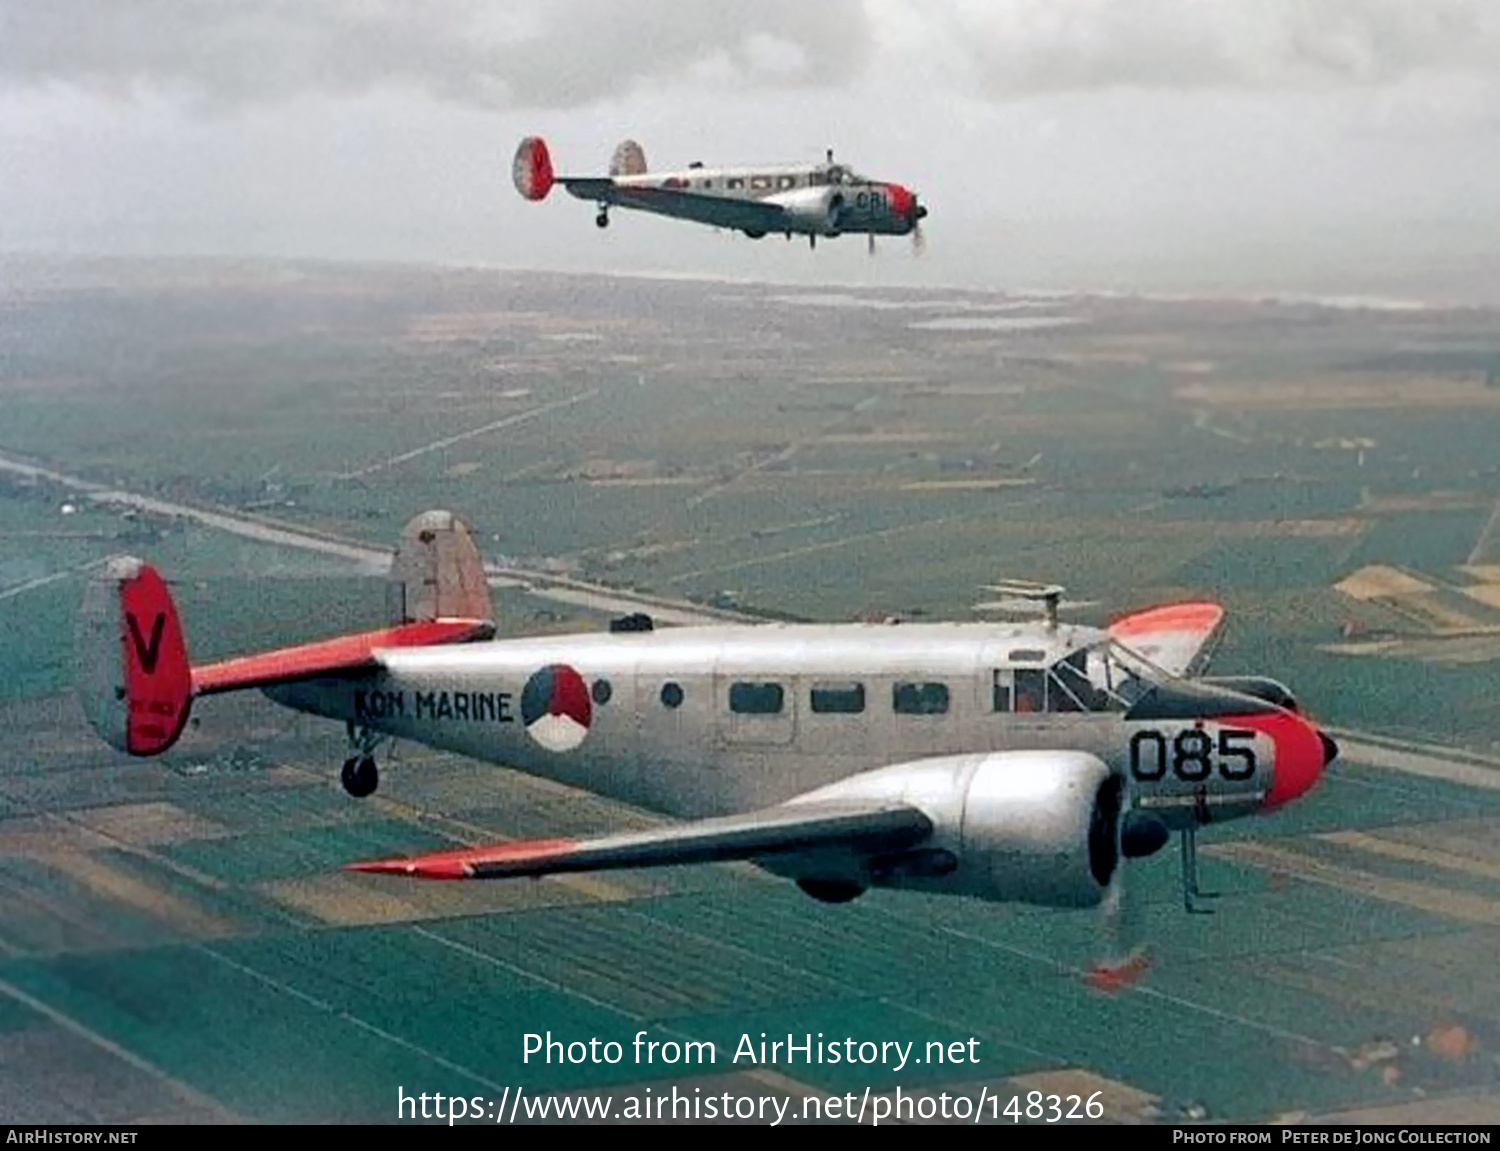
(602, 220)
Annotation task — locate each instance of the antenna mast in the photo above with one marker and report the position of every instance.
(1050, 595)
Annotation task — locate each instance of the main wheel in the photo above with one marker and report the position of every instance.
(360, 776)
(602, 219)
(830, 890)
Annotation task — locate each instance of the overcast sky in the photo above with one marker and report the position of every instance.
(1321, 146)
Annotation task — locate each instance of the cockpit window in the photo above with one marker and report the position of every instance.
(1106, 677)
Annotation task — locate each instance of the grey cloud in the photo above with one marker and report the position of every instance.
(1012, 48)
(536, 54)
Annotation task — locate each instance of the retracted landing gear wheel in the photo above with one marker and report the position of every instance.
(360, 776)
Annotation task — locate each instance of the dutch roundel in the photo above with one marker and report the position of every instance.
(555, 708)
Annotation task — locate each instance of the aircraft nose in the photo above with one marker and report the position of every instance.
(1302, 752)
(903, 202)
(1330, 749)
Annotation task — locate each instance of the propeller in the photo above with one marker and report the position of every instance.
(1124, 955)
(870, 242)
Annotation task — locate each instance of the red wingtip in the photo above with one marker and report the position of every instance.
(415, 868)
(1115, 976)
(460, 864)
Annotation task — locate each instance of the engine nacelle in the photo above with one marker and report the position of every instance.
(815, 210)
(1043, 827)
(1258, 686)
(1039, 827)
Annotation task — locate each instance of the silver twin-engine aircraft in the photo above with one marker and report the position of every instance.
(1006, 762)
(811, 200)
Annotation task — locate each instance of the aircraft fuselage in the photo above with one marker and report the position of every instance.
(697, 722)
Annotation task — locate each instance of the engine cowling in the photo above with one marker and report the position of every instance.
(1043, 827)
(812, 209)
(1258, 686)
(1039, 827)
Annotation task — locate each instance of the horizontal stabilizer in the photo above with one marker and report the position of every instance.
(1175, 637)
(775, 831)
(341, 655)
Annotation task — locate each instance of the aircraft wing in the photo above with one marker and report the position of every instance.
(1176, 638)
(342, 655)
(721, 211)
(787, 829)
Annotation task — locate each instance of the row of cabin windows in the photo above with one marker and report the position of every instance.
(780, 183)
(1064, 687)
(756, 183)
(839, 698)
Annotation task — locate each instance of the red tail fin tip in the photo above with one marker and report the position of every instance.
(532, 168)
(134, 679)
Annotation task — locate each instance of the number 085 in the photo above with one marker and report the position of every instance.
(1192, 755)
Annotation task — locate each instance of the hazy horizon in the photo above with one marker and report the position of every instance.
(1149, 146)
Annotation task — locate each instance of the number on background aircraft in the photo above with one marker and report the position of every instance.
(811, 200)
(1006, 762)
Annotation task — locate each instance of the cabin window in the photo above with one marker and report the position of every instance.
(1000, 692)
(920, 699)
(786, 181)
(756, 698)
(671, 695)
(1031, 689)
(705, 183)
(817, 179)
(602, 691)
(734, 183)
(838, 698)
(1026, 655)
(1070, 687)
(760, 182)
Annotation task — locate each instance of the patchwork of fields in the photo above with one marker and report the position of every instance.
(177, 940)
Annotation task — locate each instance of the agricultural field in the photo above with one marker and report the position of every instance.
(1326, 472)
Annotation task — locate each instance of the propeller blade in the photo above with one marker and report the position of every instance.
(1124, 955)
(870, 242)
(918, 241)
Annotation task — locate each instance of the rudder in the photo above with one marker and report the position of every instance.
(437, 573)
(532, 168)
(629, 159)
(133, 677)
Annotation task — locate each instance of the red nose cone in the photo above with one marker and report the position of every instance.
(902, 201)
(1302, 752)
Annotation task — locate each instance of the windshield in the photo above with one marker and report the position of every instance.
(1104, 677)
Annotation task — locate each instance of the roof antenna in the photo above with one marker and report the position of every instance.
(830, 155)
(1050, 595)
(1050, 599)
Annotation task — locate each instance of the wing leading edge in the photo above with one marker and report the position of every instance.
(720, 211)
(787, 829)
